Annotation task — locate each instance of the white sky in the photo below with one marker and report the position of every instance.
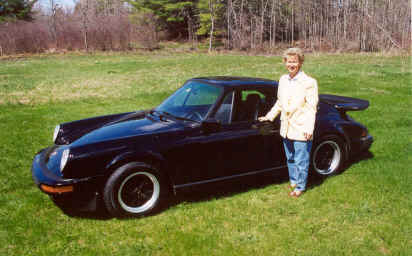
(63, 3)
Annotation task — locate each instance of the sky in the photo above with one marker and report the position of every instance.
(63, 3)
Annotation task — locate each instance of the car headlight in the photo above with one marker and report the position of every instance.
(65, 157)
(56, 132)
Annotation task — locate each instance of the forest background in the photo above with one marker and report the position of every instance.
(253, 25)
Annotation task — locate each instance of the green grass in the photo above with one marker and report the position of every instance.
(367, 210)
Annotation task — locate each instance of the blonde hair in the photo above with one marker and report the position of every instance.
(294, 52)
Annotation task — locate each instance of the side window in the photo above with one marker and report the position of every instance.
(252, 104)
(246, 93)
(224, 113)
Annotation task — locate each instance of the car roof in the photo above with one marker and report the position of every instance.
(234, 81)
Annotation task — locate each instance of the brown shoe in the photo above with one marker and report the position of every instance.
(296, 193)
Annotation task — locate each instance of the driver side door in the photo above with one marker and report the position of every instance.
(247, 145)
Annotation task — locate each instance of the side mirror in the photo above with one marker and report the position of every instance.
(210, 125)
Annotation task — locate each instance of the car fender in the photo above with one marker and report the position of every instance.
(345, 137)
(335, 128)
(150, 157)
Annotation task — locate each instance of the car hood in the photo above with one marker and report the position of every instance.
(118, 127)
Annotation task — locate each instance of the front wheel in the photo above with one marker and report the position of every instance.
(328, 156)
(135, 189)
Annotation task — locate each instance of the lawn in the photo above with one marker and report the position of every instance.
(367, 210)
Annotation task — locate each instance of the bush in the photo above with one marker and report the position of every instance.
(89, 29)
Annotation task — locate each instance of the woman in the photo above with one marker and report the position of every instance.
(297, 103)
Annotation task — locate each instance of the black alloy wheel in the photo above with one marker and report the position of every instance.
(134, 189)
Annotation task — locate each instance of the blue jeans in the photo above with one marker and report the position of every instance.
(298, 157)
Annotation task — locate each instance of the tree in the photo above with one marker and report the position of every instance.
(85, 9)
(174, 15)
(210, 11)
(16, 10)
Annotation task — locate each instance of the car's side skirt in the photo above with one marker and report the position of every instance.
(182, 186)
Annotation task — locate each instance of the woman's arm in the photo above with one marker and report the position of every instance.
(274, 111)
(311, 103)
(272, 114)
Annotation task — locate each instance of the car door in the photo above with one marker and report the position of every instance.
(241, 145)
(201, 156)
(274, 154)
(248, 145)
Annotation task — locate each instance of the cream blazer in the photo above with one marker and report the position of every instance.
(297, 102)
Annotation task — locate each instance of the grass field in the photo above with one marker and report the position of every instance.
(367, 210)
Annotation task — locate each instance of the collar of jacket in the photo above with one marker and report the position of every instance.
(298, 76)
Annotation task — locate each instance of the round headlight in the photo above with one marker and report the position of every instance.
(56, 132)
(65, 157)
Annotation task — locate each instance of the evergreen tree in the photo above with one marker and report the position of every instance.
(173, 15)
(16, 10)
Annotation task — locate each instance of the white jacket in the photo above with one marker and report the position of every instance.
(297, 102)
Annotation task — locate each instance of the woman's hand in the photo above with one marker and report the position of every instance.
(307, 136)
(263, 119)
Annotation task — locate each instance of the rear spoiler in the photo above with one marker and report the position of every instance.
(344, 104)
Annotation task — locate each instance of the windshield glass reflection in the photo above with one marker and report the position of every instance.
(192, 101)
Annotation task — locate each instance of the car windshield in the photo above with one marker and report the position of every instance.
(192, 101)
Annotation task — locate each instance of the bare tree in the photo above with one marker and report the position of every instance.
(212, 20)
(84, 10)
(332, 25)
(53, 21)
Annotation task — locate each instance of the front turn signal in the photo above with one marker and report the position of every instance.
(56, 190)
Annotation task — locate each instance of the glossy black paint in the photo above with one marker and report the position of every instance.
(188, 153)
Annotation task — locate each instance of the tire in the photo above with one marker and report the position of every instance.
(328, 156)
(133, 190)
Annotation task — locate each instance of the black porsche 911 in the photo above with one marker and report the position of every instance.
(205, 132)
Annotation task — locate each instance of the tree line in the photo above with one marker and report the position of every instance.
(319, 25)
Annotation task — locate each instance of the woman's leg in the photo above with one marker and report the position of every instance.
(290, 156)
(302, 158)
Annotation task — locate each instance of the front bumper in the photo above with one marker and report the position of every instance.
(43, 177)
(83, 192)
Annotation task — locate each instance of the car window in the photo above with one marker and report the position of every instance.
(192, 101)
(245, 93)
(251, 104)
(194, 94)
(202, 95)
(245, 105)
(225, 110)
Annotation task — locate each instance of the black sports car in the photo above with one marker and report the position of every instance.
(205, 132)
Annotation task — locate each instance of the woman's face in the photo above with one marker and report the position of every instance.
(293, 65)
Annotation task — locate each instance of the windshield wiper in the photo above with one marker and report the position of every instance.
(165, 113)
(178, 117)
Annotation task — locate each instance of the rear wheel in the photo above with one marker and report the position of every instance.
(135, 189)
(328, 156)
